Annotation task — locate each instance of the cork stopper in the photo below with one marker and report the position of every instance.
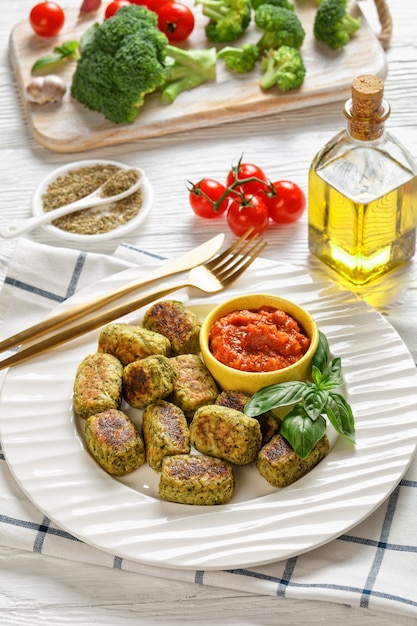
(366, 111)
(367, 94)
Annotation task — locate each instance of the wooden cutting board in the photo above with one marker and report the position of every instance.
(70, 127)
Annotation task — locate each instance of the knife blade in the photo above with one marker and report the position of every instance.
(190, 259)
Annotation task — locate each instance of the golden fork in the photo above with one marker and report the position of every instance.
(210, 277)
(197, 256)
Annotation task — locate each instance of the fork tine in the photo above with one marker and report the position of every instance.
(238, 251)
(239, 243)
(236, 269)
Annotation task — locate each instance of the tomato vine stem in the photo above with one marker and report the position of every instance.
(231, 189)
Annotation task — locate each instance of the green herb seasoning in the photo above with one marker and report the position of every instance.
(120, 182)
(79, 183)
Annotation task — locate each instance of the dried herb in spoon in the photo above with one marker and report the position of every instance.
(119, 182)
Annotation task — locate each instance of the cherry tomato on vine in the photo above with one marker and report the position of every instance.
(114, 6)
(47, 19)
(248, 170)
(288, 204)
(176, 20)
(246, 212)
(156, 5)
(203, 206)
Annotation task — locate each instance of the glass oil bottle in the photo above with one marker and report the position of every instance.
(363, 192)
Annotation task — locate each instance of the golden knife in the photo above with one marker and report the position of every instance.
(194, 257)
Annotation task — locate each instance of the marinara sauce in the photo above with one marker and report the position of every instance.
(264, 340)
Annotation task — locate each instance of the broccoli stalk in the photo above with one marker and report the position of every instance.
(241, 59)
(283, 67)
(186, 69)
(333, 25)
(281, 27)
(228, 19)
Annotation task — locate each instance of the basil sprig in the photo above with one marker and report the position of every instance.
(314, 400)
(60, 54)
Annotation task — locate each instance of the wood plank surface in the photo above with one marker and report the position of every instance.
(70, 127)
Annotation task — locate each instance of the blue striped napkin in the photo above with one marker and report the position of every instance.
(374, 566)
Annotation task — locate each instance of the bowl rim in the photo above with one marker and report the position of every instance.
(120, 231)
(227, 307)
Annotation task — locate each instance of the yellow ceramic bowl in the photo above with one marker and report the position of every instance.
(232, 379)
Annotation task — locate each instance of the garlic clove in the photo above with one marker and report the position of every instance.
(43, 89)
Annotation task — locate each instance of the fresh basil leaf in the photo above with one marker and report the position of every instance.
(59, 55)
(281, 394)
(302, 432)
(314, 402)
(340, 415)
(316, 375)
(322, 354)
(68, 48)
(332, 375)
(49, 61)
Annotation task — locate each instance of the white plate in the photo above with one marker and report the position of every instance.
(121, 231)
(44, 448)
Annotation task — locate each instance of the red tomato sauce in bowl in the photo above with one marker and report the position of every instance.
(262, 340)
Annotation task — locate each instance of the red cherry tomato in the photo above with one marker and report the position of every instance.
(156, 5)
(248, 170)
(204, 194)
(176, 20)
(47, 19)
(287, 204)
(142, 3)
(114, 6)
(250, 211)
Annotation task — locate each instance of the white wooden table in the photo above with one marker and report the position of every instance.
(40, 590)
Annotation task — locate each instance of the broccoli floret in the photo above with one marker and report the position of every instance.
(228, 19)
(186, 69)
(333, 25)
(283, 67)
(285, 4)
(121, 60)
(281, 27)
(241, 59)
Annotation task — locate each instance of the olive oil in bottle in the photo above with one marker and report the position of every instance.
(363, 192)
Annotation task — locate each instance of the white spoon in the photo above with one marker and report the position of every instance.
(92, 200)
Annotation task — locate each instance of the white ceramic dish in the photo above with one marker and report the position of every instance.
(121, 231)
(44, 448)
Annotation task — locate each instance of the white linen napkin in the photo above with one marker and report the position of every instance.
(373, 566)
